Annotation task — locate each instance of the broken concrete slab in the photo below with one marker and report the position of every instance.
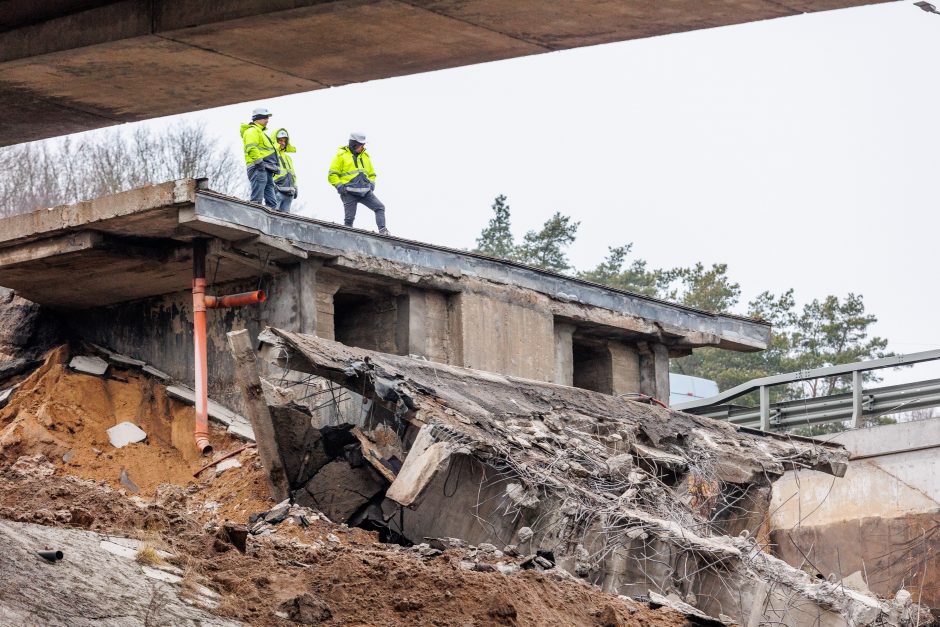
(157, 374)
(124, 433)
(426, 458)
(473, 434)
(237, 424)
(374, 456)
(118, 358)
(89, 365)
(302, 445)
(340, 490)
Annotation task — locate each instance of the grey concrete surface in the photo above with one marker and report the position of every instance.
(74, 65)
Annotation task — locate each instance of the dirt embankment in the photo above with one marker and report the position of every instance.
(58, 468)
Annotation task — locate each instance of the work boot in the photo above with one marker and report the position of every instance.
(383, 231)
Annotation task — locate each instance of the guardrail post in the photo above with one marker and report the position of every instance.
(765, 408)
(856, 399)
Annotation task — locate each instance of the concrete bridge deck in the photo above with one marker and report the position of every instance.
(136, 244)
(75, 65)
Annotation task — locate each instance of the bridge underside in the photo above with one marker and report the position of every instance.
(74, 65)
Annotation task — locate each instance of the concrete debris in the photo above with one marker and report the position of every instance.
(673, 601)
(263, 523)
(495, 459)
(227, 464)
(127, 483)
(237, 424)
(32, 466)
(119, 359)
(339, 490)
(157, 374)
(5, 396)
(124, 433)
(857, 581)
(89, 365)
(520, 496)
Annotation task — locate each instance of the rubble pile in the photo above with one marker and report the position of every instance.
(61, 488)
(634, 498)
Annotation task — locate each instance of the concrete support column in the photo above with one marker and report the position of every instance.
(307, 296)
(325, 290)
(564, 354)
(424, 325)
(409, 330)
(654, 370)
(625, 368)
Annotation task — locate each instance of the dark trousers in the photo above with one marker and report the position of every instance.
(262, 186)
(370, 200)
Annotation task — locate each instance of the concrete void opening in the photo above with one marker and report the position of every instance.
(367, 320)
(592, 367)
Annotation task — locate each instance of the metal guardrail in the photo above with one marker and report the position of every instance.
(852, 406)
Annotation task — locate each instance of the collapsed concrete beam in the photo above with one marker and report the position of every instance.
(625, 495)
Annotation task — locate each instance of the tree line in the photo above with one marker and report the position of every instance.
(824, 332)
(81, 167)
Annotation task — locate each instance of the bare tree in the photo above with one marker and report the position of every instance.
(59, 171)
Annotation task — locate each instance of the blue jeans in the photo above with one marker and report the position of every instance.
(284, 201)
(262, 186)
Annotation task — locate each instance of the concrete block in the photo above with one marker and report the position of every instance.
(125, 433)
(227, 464)
(89, 365)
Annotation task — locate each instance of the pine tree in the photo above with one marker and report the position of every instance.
(496, 239)
(546, 249)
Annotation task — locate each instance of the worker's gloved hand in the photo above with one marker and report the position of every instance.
(341, 188)
(295, 192)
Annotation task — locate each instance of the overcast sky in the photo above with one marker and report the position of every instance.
(802, 152)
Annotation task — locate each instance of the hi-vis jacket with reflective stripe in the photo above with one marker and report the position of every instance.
(258, 146)
(345, 169)
(286, 178)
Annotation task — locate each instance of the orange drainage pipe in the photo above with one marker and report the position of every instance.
(199, 343)
(236, 300)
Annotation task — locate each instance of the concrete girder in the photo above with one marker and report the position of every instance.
(75, 65)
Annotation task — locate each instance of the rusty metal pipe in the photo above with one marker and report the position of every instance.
(236, 300)
(199, 343)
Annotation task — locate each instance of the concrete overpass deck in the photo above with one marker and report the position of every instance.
(137, 244)
(75, 65)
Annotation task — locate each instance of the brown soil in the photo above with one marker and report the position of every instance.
(356, 581)
(64, 414)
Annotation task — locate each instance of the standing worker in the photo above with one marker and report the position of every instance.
(260, 159)
(285, 181)
(353, 176)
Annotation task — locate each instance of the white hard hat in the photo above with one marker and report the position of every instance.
(260, 113)
(281, 133)
(358, 137)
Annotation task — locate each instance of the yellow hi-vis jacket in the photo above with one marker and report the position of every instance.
(356, 174)
(286, 178)
(258, 146)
